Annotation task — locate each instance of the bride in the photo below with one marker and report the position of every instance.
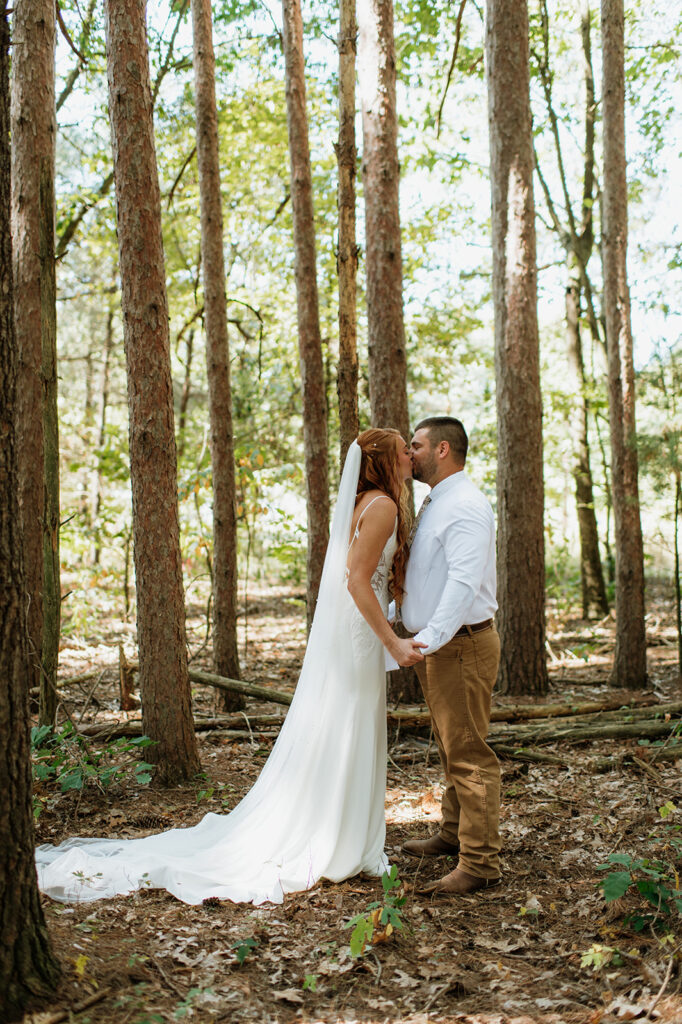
(317, 808)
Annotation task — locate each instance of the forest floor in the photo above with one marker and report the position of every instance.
(543, 947)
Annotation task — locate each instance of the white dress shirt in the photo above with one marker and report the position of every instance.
(450, 580)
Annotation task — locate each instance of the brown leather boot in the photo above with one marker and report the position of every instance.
(459, 883)
(434, 846)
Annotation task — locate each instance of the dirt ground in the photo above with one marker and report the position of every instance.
(543, 947)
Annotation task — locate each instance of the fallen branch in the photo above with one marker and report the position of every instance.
(232, 685)
(237, 686)
(523, 754)
(60, 1015)
(523, 712)
(578, 734)
(133, 726)
(607, 764)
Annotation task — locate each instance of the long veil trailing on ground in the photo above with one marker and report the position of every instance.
(317, 808)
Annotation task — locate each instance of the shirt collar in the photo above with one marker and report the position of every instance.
(448, 484)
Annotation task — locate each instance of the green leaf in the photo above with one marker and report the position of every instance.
(616, 885)
(361, 935)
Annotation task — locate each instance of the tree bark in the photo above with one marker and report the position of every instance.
(225, 653)
(96, 503)
(164, 682)
(309, 340)
(33, 226)
(28, 969)
(347, 258)
(629, 667)
(380, 179)
(593, 589)
(521, 566)
(577, 240)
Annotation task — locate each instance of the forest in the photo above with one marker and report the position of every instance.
(236, 233)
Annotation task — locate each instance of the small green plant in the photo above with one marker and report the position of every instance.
(655, 880)
(310, 983)
(381, 918)
(597, 957)
(243, 948)
(185, 1007)
(62, 758)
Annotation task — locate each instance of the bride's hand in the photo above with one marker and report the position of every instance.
(407, 652)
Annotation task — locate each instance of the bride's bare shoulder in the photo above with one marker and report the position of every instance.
(380, 509)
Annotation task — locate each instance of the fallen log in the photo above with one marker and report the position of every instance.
(512, 753)
(607, 764)
(523, 754)
(237, 686)
(578, 734)
(133, 726)
(523, 712)
(232, 685)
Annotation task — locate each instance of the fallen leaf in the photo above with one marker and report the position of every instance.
(288, 995)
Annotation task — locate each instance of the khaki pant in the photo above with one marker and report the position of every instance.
(457, 681)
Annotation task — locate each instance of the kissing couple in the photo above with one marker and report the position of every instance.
(317, 808)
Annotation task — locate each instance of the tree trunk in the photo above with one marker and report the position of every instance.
(28, 969)
(629, 667)
(33, 155)
(164, 683)
(309, 341)
(101, 437)
(578, 242)
(225, 655)
(594, 600)
(347, 259)
(380, 178)
(521, 568)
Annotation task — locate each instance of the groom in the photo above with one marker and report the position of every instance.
(449, 603)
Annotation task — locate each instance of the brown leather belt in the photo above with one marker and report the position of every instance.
(476, 627)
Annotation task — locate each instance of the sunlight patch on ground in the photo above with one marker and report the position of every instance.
(404, 806)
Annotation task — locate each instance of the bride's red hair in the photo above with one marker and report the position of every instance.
(380, 471)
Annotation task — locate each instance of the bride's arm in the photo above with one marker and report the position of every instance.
(375, 529)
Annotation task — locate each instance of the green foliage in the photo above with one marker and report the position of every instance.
(597, 957)
(63, 760)
(657, 880)
(310, 983)
(381, 918)
(244, 948)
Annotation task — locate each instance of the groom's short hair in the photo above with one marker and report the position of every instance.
(447, 428)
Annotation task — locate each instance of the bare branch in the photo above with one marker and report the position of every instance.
(185, 164)
(458, 33)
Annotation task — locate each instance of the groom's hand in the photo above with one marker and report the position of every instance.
(408, 652)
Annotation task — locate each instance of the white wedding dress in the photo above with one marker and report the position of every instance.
(317, 808)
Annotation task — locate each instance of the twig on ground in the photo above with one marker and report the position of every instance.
(169, 982)
(60, 1015)
(90, 695)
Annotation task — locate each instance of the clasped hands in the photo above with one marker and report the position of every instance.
(407, 652)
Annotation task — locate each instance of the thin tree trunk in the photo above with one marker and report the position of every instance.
(347, 259)
(678, 592)
(33, 155)
(28, 969)
(578, 242)
(309, 340)
(594, 600)
(96, 503)
(164, 683)
(521, 567)
(186, 392)
(629, 667)
(225, 653)
(381, 178)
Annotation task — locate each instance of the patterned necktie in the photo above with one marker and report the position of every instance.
(415, 524)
